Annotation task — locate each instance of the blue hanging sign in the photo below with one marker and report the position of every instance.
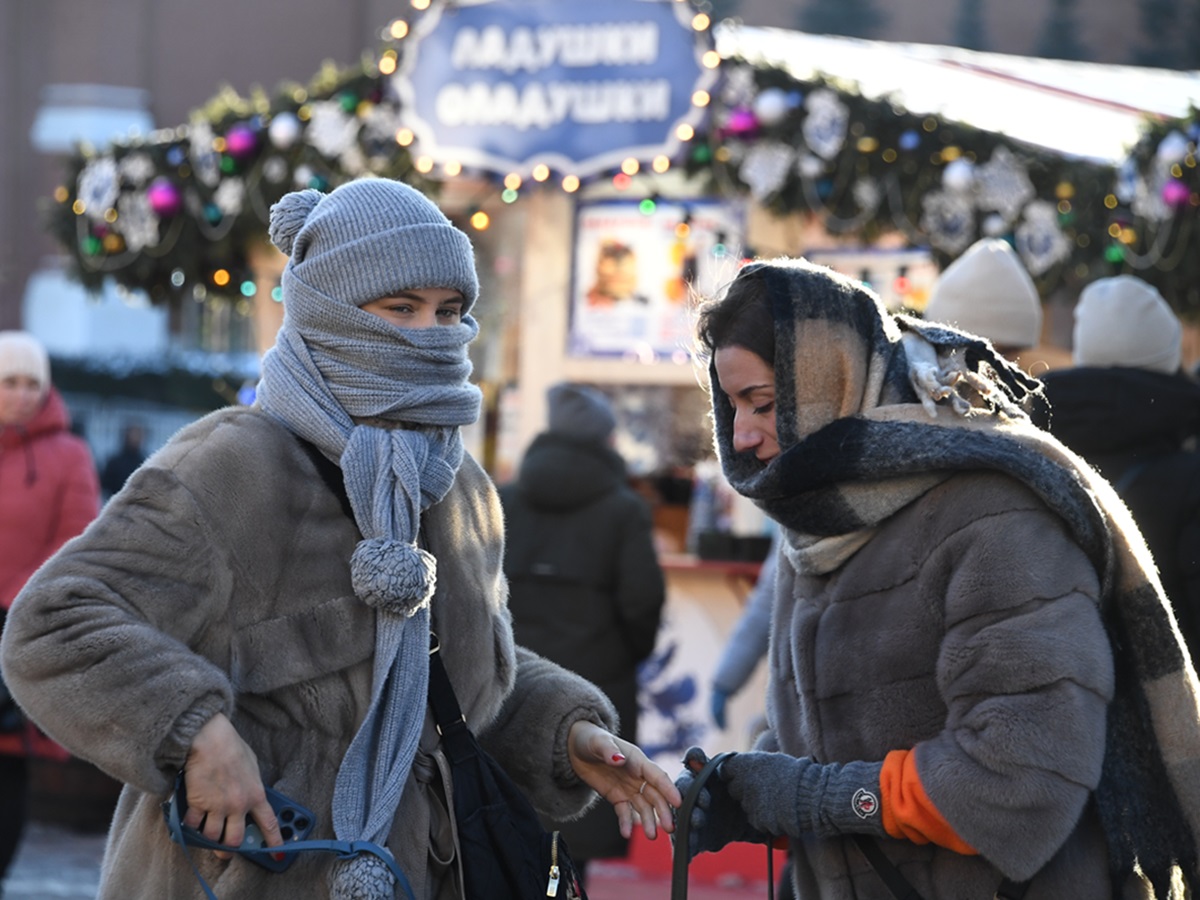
(503, 85)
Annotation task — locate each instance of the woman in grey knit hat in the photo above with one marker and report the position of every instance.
(256, 605)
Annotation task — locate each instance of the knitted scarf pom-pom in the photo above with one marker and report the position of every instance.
(392, 575)
(364, 877)
(289, 215)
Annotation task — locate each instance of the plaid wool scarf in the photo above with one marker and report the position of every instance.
(872, 410)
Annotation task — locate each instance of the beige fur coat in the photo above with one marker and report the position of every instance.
(218, 580)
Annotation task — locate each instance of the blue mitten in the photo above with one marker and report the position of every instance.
(716, 819)
(790, 795)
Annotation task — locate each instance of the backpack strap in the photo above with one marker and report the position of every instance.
(330, 472)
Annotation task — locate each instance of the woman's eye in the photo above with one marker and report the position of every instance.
(764, 409)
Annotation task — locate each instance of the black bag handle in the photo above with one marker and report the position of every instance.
(683, 828)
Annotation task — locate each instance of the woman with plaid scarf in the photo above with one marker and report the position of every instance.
(977, 688)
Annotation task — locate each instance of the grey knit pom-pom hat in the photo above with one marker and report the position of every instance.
(371, 238)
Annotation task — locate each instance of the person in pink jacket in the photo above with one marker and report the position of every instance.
(49, 492)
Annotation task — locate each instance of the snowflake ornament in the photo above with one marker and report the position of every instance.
(330, 129)
(867, 194)
(1002, 184)
(98, 187)
(137, 168)
(825, 125)
(381, 123)
(275, 170)
(740, 88)
(1148, 202)
(230, 196)
(1039, 240)
(136, 221)
(206, 162)
(948, 217)
(766, 167)
(353, 161)
(1126, 185)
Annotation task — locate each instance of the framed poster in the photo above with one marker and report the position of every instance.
(637, 268)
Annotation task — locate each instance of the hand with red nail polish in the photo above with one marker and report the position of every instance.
(624, 776)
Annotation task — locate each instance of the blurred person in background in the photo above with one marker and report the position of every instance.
(124, 462)
(48, 494)
(747, 643)
(1129, 409)
(585, 587)
(987, 291)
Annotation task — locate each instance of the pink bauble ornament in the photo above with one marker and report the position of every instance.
(164, 197)
(741, 122)
(240, 141)
(1176, 194)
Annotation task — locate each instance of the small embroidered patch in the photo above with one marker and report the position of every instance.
(865, 803)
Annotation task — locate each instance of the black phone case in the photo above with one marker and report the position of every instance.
(296, 823)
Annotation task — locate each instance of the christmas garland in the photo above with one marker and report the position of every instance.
(175, 214)
(866, 167)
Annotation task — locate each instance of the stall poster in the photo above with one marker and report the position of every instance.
(638, 271)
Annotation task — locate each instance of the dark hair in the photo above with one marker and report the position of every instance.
(741, 318)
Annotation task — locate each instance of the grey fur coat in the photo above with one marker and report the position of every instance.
(218, 580)
(947, 645)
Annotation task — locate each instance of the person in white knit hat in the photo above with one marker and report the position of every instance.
(1123, 321)
(1128, 409)
(48, 494)
(988, 292)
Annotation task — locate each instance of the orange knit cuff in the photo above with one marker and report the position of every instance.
(908, 813)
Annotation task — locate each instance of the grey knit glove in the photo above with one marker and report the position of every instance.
(716, 819)
(788, 795)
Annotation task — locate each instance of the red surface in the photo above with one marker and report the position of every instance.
(739, 872)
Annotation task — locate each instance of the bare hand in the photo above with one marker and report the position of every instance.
(624, 776)
(224, 785)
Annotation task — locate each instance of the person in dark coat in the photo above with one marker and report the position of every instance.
(585, 587)
(125, 461)
(1128, 408)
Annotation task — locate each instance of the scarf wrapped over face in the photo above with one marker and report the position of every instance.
(333, 367)
(873, 410)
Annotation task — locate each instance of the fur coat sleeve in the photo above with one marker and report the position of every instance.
(102, 660)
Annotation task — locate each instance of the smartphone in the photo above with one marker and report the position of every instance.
(296, 823)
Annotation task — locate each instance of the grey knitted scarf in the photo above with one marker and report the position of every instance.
(333, 364)
(855, 389)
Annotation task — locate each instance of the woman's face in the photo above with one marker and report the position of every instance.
(748, 383)
(422, 308)
(20, 399)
